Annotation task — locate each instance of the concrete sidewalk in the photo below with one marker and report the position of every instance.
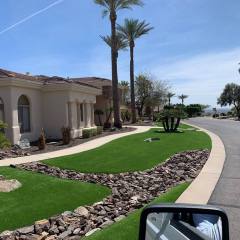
(73, 150)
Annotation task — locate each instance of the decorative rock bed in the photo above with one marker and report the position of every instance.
(13, 152)
(130, 191)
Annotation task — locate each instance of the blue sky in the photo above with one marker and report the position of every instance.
(194, 45)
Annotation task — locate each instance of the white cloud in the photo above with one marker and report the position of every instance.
(202, 77)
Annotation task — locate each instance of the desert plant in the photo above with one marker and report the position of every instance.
(42, 140)
(171, 119)
(66, 135)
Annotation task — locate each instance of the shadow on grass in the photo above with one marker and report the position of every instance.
(162, 131)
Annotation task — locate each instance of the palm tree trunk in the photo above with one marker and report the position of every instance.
(133, 104)
(115, 94)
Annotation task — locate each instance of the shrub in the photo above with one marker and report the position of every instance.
(42, 141)
(66, 135)
(87, 133)
(99, 130)
(4, 142)
(94, 132)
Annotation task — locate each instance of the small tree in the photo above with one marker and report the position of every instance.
(99, 113)
(144, 89)
(231, 96)
(170, 96)
(171, 119)
(182, 98)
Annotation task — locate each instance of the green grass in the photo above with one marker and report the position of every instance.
(42, 196)
(127, 229)
(131, 153)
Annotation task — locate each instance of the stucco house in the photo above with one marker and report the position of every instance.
(30, 103)
(103, 101)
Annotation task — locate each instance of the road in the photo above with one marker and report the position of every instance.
(227, 192)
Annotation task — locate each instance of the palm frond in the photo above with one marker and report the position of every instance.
(115, 5)
(133, 29)
(121, 43)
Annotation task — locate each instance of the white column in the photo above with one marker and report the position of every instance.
(78, 115)
(92, 115)
(70, 114)
(85, 113)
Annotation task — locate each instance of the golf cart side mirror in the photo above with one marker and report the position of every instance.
(183, 222)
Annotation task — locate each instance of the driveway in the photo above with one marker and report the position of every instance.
(227, 192)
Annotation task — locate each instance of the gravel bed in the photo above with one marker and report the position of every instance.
(130, 191)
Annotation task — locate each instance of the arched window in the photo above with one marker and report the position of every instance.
(2, 118)
(24, 114)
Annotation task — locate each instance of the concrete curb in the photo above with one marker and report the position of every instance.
(201, 189)
(72, 150)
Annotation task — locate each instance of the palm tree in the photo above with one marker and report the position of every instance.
(121, 43)
(131, 31)
(183, 97)
(111, 7)
(169, 96)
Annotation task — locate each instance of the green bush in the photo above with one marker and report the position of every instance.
(99, 130)
(94, 132)
(4, 142)
(87, 133)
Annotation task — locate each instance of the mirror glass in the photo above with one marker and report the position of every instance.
(183, 226)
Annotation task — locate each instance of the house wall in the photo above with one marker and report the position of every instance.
(54, 113)
(51, 108)
(62, 109)
(10, 96)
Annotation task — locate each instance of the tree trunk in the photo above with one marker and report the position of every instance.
(132, 88)
(177, 124)
(115, 93)
(172, 124)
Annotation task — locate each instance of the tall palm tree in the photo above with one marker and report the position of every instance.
(131, 30)
(111, 7)
(169, 96)
(183, 97)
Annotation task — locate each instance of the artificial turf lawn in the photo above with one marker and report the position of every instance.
(131, 153)
(127, 229)
(43, 196)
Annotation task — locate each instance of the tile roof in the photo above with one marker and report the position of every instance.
(46, 80)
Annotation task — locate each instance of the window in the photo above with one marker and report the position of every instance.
(24, 114)
(2, 110)
(81, 112)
